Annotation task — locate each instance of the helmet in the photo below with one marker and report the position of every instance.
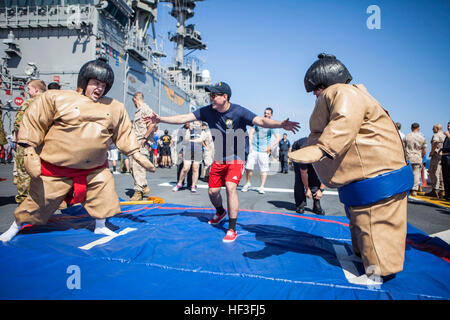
(96, 69)
(325, 72)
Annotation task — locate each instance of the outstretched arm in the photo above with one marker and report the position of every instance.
(177, 119)
(269, 123)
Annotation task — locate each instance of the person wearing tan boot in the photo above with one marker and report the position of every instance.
(415, 147)
(354, 146)
(435, 171)
(75, 172)
(144, 134)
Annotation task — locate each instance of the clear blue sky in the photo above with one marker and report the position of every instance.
(263, 48)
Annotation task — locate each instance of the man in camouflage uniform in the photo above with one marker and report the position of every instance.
(3, 140)
(144, 135)
(415, 147)
(435, 170)
(21, 177)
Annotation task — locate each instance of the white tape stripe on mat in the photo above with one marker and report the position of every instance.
(106, 239)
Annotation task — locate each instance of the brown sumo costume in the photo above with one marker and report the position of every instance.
(75, 132)
(353, 139)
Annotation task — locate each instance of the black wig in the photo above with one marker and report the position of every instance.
(96, 69)
(325, 72)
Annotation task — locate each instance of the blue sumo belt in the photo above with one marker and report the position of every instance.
(383, 186)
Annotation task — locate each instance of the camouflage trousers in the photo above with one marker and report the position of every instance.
(138, 172)
(3, 140)
(435, 172)
(21, 178)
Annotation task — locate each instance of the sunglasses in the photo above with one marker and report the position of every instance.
(213, 95)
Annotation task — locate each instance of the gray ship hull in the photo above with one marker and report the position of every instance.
(58, 40)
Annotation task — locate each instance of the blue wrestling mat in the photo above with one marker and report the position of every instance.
(170, 252)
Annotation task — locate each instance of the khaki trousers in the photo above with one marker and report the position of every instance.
(139, 175)
(437, 181)
(47, 193)
(417, 172)
(379, 234)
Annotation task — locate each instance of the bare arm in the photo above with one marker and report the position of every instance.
(269, 123)
(304, 177)
(266, 122)
(276, 141)
(203, 139)
(319, 193)
(177, 119)
(251, 132)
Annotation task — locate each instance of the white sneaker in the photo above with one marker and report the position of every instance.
(261, 190)
(10, 233)
(116, 172)
(370, 281)
(176, 188)
(245, 187)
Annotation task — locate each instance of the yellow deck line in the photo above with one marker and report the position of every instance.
(436, 201)
(150, 200)
(127, 203)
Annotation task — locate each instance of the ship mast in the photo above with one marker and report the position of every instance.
(186, 36)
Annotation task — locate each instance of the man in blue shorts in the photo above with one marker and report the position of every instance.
(228, 124)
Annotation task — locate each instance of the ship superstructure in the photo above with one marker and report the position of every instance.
(52, 39)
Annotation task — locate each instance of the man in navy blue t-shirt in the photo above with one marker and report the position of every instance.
(228, 124)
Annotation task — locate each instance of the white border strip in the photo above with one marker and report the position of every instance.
(283, 190)
(444, 235)
(106, 239)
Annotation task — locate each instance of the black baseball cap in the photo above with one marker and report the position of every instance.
(219, 87)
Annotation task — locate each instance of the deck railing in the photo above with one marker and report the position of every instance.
(72, 16)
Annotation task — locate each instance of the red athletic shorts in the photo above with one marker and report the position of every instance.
(225, 171)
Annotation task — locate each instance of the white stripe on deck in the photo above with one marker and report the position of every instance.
(106, 239)
(285, 190)
(349, 268)
(444, 235)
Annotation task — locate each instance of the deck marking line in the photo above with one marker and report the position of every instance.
(106, 239)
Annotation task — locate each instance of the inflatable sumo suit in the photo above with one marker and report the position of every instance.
(74, 133)
(354, 146)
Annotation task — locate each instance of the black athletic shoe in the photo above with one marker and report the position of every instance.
(300, 209)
